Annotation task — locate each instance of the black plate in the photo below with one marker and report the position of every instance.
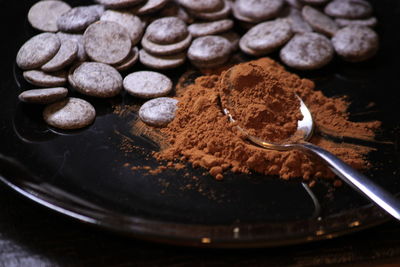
(82, 174)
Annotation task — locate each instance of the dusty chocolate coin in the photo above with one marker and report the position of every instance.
(168, 30)
(267, 36)
(161, 62)
(159, 111)
(356, 43)
(97, 79)
(148, 7)
(43, 96)
(370, 22)
(129, 61)
(168, 49)
(78, 39)
(202, 6)
(315, 2)
(319, 21)
(119, 3)
(172, 9)
(295, 3)
(133, 25)
(307, 51)
(69, 114)
(44, 14)
(223, 13)
(349, 9)
(40, 78)
(258, 10)
(233, 38)
(147, 84)
(210, 28)
(79, 18)
(297, 22)
(38, 50)
(209, 51)
(65, 56)
(107, 42)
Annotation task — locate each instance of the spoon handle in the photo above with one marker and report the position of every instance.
(357, 180)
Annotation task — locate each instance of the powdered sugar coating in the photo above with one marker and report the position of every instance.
(307, 51)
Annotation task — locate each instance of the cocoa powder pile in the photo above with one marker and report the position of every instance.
(264, 103)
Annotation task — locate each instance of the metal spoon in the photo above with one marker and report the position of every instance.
(305, 128)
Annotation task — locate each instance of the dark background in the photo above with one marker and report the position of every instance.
(31, 235)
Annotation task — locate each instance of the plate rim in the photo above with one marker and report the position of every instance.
(211, 236)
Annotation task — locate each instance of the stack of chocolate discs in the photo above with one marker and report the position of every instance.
(88, 46)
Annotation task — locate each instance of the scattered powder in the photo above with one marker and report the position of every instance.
(202, 135)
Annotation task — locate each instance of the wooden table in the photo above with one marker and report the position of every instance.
(31, 235)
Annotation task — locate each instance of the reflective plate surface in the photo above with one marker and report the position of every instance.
(84, 174)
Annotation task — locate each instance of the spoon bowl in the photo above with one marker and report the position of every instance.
(305, 129)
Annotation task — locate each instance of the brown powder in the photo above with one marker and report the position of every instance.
(202, 134)
(259, 102)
